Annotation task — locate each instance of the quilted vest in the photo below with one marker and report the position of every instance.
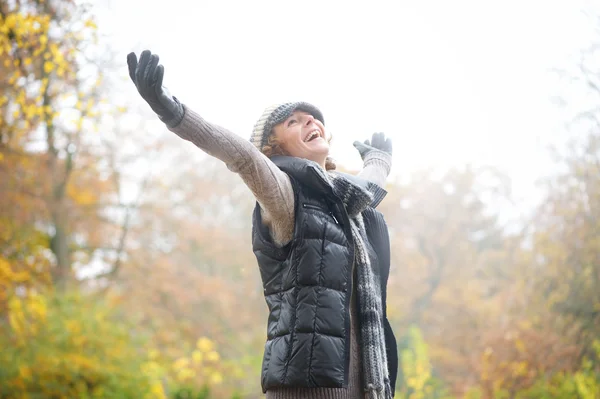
(307, 283)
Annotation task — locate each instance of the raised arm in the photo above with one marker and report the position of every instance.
(271, 187)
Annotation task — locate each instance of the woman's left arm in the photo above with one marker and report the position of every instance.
(377, 158)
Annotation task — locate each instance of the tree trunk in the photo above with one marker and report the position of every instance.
(60, 247)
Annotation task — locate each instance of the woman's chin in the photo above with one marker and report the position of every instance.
(318, 146)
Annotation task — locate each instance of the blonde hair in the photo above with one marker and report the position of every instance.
(273, 147)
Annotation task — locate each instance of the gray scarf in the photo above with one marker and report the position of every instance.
(372, 340)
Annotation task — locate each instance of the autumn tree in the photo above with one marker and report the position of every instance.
(190, 270)
(51, 102)
(549, 345)
(450, 262)
(567, 226)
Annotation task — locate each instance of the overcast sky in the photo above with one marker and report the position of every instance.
(450, 82)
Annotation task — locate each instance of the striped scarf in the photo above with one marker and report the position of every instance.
(372, 340)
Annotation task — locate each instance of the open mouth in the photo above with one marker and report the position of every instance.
(313, 135)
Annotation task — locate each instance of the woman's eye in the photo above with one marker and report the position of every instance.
(291, 121)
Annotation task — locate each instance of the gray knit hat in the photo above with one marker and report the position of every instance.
(276, 114)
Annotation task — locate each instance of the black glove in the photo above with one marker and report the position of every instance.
(378, 142)
(148, 77)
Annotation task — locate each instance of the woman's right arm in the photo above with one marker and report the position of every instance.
(271, 187)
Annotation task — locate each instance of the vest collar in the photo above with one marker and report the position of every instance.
(307, 172)
(310, 174)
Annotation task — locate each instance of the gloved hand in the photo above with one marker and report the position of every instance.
(378, 142)
(147, 76)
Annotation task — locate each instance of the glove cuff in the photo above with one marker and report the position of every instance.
(178, 112)
(380, 158)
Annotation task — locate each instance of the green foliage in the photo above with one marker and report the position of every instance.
(417, 381)
(582, 384)
(70, 346)
(193, 392)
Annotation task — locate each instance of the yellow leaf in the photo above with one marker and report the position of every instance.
(197, 357)
(212, 356)
(11, 21)
(48, 66)
(24, 372)
(216, 378)
(181, 363)
(184, 374)
(158, 391)
(91, 24)
(204, 344)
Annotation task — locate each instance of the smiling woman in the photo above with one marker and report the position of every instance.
(322, 248)
(301, 135)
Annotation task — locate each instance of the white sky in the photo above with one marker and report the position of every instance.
(450, 82)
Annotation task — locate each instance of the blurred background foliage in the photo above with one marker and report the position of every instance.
(120, 283)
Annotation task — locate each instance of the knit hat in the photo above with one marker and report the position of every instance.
(276, 114)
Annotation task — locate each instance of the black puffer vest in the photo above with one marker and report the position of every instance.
(307, 284)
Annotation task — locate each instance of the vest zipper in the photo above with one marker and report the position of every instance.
(336, 221)
(348, 232)
(316, 208)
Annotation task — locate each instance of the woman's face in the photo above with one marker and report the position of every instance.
(303, 136)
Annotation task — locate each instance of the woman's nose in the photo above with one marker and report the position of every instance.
(309, 119)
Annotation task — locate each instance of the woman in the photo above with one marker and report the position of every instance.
(322, 249)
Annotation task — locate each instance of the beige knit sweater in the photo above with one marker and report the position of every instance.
(273, 191)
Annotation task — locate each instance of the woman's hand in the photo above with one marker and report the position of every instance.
(147, 75)
(378, 142)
